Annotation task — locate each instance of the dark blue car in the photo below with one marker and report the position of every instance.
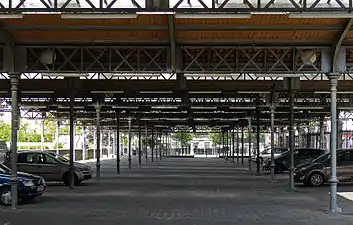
(29, 186)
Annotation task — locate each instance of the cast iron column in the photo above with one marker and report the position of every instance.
(291, 133)
(84, 150)
(233, 145)
(273, 165)
(98, 145)
(258, 111)
(160, 146)
(242, 145)
(118, 143)
(249, 133)
(129, 122)
(152, 144)
(227, 144)
(14, 81)
(334, 209)
(140, 145)
(57, 136)
(146, 143)
(72, 141)
(238, 139)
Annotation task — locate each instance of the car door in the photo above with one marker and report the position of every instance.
(48, 167)
(345, 165)
(27, 162)
(299, 156)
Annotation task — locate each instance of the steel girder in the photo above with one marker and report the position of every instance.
(184, 6)
(240, 60)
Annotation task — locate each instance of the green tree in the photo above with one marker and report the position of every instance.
(183, 137)
(5, 131)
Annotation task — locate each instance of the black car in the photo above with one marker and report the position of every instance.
(301, 155)
(317, 172)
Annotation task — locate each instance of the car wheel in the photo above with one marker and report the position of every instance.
(66, 179)
(5, 196)
(316, 179)
(77, 182)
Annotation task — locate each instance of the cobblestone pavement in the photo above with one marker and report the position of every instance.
(178, 191)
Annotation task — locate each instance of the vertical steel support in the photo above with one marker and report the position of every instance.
(129, 121)
(242, 145)
(249, 148)
(57, 136)
(233, 146)
(160, 146)
(42, 133)
(334, 209)
(291, 134)
(258, 112)
(273, 165)
(322, 133)
(98, 144)
(157, 146)
(72, 141)
(84, 143)
(152, 144)
(140, 146)
(118, 143)
(238, 158)
(14, 81)
(223, 144)
(227, 144)
(146, 143)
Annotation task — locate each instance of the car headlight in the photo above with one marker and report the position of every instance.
(28, 183)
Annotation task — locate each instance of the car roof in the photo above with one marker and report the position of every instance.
(30, 151)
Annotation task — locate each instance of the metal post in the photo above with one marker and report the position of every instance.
(291, 133)
(14, 80)
(98, 144)
(242, 145)
(322, 132)
(140, 145)
(249, 148)
(223, 144)
(42, 134)
(129, 121)
(152, 144)
(72, 141)
(84, 143)
(334, 209)
(57, 136)
(118, 143)
(160, 146)
(227, 146)
(233, 145)
(238, 158)
(146, 143)
(258, 111)
(273, 165)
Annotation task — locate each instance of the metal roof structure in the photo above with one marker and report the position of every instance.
(194, 63)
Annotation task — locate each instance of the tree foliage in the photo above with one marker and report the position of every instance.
(5, 131)
(184, 137)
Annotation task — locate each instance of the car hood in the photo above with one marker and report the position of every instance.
(307, 165)
(21, 175)
(80, 166)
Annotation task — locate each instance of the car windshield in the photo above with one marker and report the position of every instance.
(266, 151)
(4, 168)
(59, 157)
(322, 158)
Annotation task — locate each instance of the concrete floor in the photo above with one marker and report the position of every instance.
(179, 191)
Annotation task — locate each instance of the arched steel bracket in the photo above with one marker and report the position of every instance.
(338, 45)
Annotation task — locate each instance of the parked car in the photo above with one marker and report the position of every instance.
(29, 186)
(51, 166)
(301, 155)
(317, 172)
(266, 154)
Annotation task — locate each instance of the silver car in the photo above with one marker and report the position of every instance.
(50, 166)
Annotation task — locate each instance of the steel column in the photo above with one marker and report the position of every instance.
(98, 144)
(14, 81)
(57, 136)
(42, 134)
(249, 137)
(242, 145)
(152, 144)
(160, 146)
(146, 143)
(334, 209)
(140, 145)
(258, 112)
(322, 132)
(84, 143)
(291, 134)
(227, 144)
(129, 139)
(273, 165)
(72, 141)
(118, 143)
(233, 146)
(238, 158)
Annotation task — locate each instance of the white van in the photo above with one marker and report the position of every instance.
(3, 150)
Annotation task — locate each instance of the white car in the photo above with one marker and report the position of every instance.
(266, 154)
